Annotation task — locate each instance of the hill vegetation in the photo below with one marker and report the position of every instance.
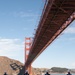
(59, 70)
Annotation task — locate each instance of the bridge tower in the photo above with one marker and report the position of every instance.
(28, 42)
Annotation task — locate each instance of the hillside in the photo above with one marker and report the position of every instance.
(58, 70)
(38, 71)
(9, 65)
(13, 67)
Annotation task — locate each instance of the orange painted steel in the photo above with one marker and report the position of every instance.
(30, 69)
(56, 16)
(28, 42)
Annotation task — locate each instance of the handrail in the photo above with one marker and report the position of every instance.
(45, 5)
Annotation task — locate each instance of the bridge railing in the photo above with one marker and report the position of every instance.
(39, 24)
(43, 11)
(45, 5)
(41, 19)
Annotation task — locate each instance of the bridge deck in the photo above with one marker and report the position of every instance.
(55, 14)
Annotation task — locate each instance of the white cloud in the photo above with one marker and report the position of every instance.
(11, 48)
(72, 39)
(73, 65)
(25, 14)
(70, 30)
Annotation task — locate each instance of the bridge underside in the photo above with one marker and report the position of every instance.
(52, 23)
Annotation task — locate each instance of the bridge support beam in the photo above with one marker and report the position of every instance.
(28, 42)
(30, 70)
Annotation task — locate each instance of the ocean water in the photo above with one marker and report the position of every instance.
(60, 74)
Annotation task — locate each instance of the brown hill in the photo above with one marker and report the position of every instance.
(39, 71)
(10, 66)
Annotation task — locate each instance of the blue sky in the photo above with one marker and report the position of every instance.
(18, 19)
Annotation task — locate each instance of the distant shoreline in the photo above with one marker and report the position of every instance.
(61, 73)
(58, 73)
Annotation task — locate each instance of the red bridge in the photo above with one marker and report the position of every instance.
(56, 16)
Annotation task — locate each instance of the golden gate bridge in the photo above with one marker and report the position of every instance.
(56, 16)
